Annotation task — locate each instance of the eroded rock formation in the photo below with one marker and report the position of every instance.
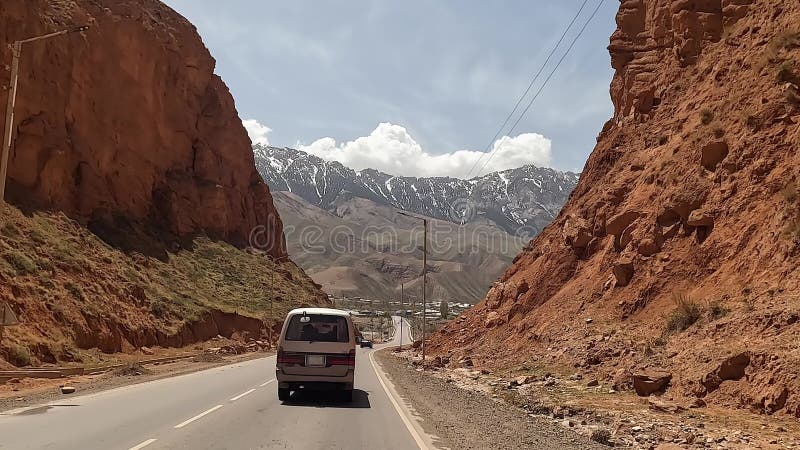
(682, 237)
(128, 122)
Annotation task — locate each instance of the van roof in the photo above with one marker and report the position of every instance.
(325, 311)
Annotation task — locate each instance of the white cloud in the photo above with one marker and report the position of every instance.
(391, 149)
(257, 131)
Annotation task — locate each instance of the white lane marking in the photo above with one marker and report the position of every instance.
(268, 382)
(188, 421)
(400, 411)
(143, 444)
(242, 395)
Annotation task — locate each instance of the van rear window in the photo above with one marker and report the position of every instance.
(317, 328)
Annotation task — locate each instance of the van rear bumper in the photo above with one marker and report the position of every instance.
(315, 381)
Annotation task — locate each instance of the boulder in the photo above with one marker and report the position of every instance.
(524, 379)
(67, 390)
(732, 368)
(648, 247)
(713, 153)
(623, 271)
(658, 405)
(493, 319)
(577, 233)
(146, 351)
(700, 218)
(617, 224)
(648, 383)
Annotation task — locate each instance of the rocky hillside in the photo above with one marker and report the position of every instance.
(520, 201)
(128, 122)
(133, 191)
(674, 265)
(364, 249)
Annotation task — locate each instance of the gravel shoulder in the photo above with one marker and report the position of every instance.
(462, 419)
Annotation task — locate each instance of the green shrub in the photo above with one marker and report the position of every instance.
(21, 263)
(786, 72)
(10, 230)
(706, 116)
(601, 436)
(686, 313)
(160, 309)
(717, 311)
(75, 291)
(19, 356)
(789, 191)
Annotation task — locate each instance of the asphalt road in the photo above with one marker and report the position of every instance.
(229, 407)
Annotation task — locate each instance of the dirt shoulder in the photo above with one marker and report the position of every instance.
(462, 419)
(34, 391)
(584, 405)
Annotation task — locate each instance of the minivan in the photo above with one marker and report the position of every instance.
(316, 351)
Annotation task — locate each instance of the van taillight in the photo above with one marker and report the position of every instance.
(343, 360)
(289, 358)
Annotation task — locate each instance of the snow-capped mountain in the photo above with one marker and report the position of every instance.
(521, 201)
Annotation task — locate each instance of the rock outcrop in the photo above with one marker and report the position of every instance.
(128, 122)
(681, 240)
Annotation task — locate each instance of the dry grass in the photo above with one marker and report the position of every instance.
(20, 262)
(601, 436)
(686, 313)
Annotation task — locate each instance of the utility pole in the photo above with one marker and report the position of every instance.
(424, 285)
(16, 53)
(402, 313)
(424, 275)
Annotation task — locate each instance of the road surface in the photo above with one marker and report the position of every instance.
(234, 407)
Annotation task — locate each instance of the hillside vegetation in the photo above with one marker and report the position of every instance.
(74, 292)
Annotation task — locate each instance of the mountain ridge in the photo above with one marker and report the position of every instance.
(520, 201)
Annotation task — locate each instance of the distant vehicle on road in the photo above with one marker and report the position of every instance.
(365, 343)
(316, 351)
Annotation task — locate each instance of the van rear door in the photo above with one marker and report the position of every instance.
(318, 345)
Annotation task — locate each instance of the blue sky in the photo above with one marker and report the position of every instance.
(441, 76)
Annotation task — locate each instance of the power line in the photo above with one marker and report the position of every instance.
(533, 81)
(541, 88)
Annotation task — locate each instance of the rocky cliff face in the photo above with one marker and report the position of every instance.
(678, 250)
(128, 122)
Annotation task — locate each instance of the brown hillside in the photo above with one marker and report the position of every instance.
(129, 122)
(678, 251)
(132, 191)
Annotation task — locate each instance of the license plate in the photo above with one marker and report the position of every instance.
(315, 361)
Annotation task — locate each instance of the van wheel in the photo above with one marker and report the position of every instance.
(283, 394)
(347, 395)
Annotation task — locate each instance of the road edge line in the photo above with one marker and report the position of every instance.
(399, 405)
(199, 416)
(143, 444)
(242, 395)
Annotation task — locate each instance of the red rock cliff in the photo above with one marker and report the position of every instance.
(129, 121)
(689, 198)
